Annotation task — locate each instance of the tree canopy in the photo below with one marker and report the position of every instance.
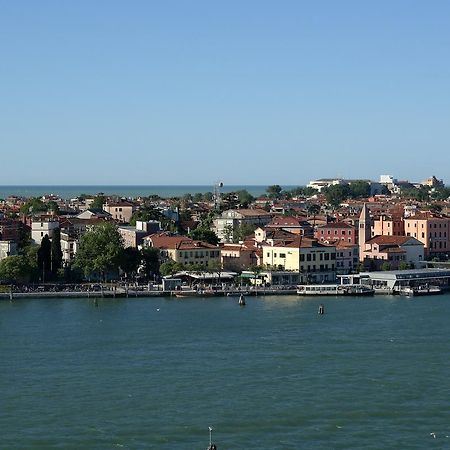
(274, 191)
(33, 205)
(205, 235)
(100, 251)
(15, 269)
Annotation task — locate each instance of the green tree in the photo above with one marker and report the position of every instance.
(130, 260)
(146, 213)
(228, 233)
(33, 205)
(359, 189)
(215, 267)
(274, 191)
(150, 260)
(15, 269)
(205, 235)
(56, 252)
(385, 266)
(100, 251)
(53, 207)
(336, 194)
(98, 202)
(30, 252)
(44, 255)
(198, 197)
(441, 194)
(242, 231)
(170, 267)
(244, 198)
(403, 265)
(208, 196)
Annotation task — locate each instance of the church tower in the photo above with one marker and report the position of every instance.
(365, 230)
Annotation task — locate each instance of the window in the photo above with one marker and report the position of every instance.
(282, 255)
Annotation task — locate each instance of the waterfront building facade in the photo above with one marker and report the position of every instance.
(315, 262)
(184, 250)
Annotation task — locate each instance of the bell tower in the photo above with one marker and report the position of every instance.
(365, 230)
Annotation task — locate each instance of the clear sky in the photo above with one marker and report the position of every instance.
(248, 92)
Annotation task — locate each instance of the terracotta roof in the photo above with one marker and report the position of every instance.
(426, 215)
(337, 225)
(163, 241)
(119, 204)
(253, 212)
(391, 240)
(300, 242)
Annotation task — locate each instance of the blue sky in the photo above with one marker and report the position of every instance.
(249, 92)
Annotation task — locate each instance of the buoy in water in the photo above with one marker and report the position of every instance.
(321, 310)
(242, 300)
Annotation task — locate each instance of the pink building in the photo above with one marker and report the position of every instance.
(338, 232)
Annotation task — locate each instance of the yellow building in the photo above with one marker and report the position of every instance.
(314, 261)
(184, 250)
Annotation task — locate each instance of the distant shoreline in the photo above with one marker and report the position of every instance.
(131, 191)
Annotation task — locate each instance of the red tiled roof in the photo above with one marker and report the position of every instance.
(337, 225)
(390, 240)
(163, 241)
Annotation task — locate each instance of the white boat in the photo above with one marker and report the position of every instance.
(334, 289)
(421, 290)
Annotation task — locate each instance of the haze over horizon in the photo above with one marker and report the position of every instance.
(251, 93)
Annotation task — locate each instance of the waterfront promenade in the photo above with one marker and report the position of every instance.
(141, 292)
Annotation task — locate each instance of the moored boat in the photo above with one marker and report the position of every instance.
(334, 289)
(419, 291)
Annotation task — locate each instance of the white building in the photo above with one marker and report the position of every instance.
(69, 246)
(322, 183)
(41, 228)
(231, 219)
(7, 248)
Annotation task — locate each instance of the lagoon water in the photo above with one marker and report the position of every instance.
(155, 373)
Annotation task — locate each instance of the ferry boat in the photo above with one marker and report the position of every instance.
(420, 290)
(334, 289)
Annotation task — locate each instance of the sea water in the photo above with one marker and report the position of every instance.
(68, 192)
(371, 373)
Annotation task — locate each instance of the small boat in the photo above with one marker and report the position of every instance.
(242, 300)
